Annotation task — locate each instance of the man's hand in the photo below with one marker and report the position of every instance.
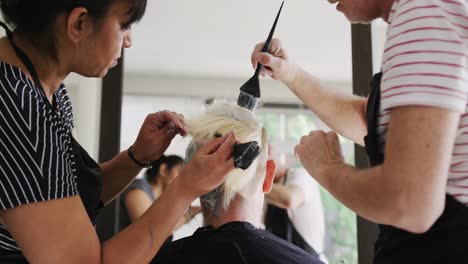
(276, 61)
(319, 150)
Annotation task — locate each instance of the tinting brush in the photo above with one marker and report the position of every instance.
(250, 91)
(244, 154)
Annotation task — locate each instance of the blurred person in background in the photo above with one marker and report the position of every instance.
(294, 207)
(141, 193)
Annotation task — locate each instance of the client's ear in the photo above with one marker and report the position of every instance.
(163, 170)
(270, 176)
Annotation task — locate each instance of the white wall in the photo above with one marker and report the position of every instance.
(216, 38)
(85, 94)
(204, 87)
(136, 108)
(379, 33)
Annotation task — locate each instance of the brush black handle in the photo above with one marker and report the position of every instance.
(245, 154)
(266, 47)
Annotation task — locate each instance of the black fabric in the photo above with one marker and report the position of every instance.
(233, 243)
(445, 242)
(89, 181)
(278, 223)
(372, 115)
(13, 259)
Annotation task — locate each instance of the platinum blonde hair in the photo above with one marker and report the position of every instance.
(220, 118)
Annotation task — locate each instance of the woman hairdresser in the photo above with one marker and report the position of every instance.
(50, 189)
(416, 124)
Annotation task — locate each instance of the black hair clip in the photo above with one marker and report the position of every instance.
(245, 154)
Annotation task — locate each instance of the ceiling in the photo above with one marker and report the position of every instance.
(214, 38)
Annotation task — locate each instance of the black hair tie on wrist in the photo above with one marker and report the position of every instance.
(132, 157)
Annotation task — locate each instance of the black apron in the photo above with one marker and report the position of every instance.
(278, 223)
(446, 242)
(89, 174)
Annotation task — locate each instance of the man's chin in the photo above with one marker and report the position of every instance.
(103, 73)
(358, 20)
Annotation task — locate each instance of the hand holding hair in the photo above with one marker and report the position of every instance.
(210, 165)
(156, 135)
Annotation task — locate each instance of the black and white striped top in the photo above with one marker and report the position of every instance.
(36, 152)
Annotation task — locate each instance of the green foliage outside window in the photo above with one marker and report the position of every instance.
(271, 123)
(298, 125)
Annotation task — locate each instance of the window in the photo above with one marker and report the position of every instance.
(285, 127)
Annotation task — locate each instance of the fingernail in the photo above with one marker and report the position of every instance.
(233, 136)
(227, 136)
(259, 57)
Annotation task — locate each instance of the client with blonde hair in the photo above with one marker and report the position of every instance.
(233, 210)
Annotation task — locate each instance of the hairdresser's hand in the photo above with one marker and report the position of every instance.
(319, 150)
(209, 167)
(156, 135)
(276, 62)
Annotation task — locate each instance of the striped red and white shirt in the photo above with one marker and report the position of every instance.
(425, 62)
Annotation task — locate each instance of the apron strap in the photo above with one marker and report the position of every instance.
(372, 116)
(27, 62)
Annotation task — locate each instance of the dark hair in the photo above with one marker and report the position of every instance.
(171, 161)
(35, 18)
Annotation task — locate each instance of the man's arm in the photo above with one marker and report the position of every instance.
(408, 190)
(344, 113)
(286, 197)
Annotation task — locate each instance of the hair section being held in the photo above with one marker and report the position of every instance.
(220, 118)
